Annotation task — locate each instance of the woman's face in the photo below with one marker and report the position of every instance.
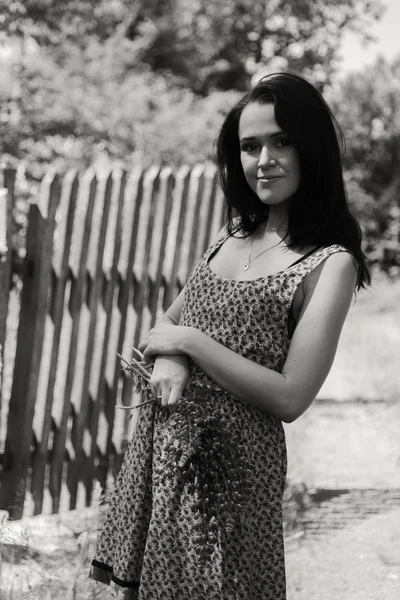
(270, 162)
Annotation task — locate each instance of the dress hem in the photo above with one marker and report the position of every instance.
(104, 574)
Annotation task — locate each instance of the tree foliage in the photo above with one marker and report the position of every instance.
(370, 113)
(51, 23)
(366, 103)
(204, 44)
(217, 45)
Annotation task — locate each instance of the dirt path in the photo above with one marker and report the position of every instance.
(361, 562)
(351, 445)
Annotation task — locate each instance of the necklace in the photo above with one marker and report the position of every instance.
(249, 260)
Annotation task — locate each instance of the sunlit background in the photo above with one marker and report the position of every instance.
(386, 43)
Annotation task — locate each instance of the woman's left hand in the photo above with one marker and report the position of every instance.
(166, 338)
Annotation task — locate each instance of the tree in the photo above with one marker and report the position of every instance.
(52, 22)
(219, 44)
(204, 45)
(368, 109)
(366, 105)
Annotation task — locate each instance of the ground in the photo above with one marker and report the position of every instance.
(361, 562)
(347, 443)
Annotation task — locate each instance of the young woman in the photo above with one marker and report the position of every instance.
(258, 323)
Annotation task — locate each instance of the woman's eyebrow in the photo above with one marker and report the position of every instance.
(270, 135)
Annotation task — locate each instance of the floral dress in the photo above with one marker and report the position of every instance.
(146, 549)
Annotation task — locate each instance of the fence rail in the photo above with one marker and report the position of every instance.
(105, 257)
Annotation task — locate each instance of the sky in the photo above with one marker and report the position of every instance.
(387, 31)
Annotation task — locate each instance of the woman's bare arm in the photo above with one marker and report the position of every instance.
(288, 394)
(173, 313)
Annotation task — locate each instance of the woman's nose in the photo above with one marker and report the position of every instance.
(265, 157)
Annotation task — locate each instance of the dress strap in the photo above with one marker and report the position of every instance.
(299, 260)
(208, 253)
(309, 263)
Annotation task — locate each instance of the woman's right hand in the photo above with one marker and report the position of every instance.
(170, 378)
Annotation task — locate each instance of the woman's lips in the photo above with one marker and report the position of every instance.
(269, 179)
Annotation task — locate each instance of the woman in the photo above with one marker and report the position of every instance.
(258, 322)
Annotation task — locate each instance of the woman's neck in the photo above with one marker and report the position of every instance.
(277, 219)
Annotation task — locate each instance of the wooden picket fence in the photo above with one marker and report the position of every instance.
(105, 257)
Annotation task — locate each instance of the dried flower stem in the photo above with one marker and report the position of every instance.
(139, 373)
(136, 405)
(134, 365)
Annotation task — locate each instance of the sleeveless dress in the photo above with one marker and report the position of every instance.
(145, 550)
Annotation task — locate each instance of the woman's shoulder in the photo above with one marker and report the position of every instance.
(334, 263)
(336, 253)
(340, 255)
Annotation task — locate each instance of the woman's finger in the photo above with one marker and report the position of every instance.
(149, 354)
(174, 396)
(142, 345)
(155, 390)
(164, 393)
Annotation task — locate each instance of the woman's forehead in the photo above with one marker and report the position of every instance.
(258, 119)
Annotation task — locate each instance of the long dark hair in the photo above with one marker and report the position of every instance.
(318, 212)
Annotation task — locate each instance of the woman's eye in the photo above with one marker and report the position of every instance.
(249, 147)
(281, 142)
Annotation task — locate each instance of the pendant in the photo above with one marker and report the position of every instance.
(246, 265)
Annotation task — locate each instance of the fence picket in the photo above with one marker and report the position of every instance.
(191, 222)
(71, 378)
(157, 249)
(17, 453)
(175, 230)
(132, 205)
(8, 182)
(217, 219)
(142, 256)
(205, 207)
(95, 328)
(54, 319)
(103, 402)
